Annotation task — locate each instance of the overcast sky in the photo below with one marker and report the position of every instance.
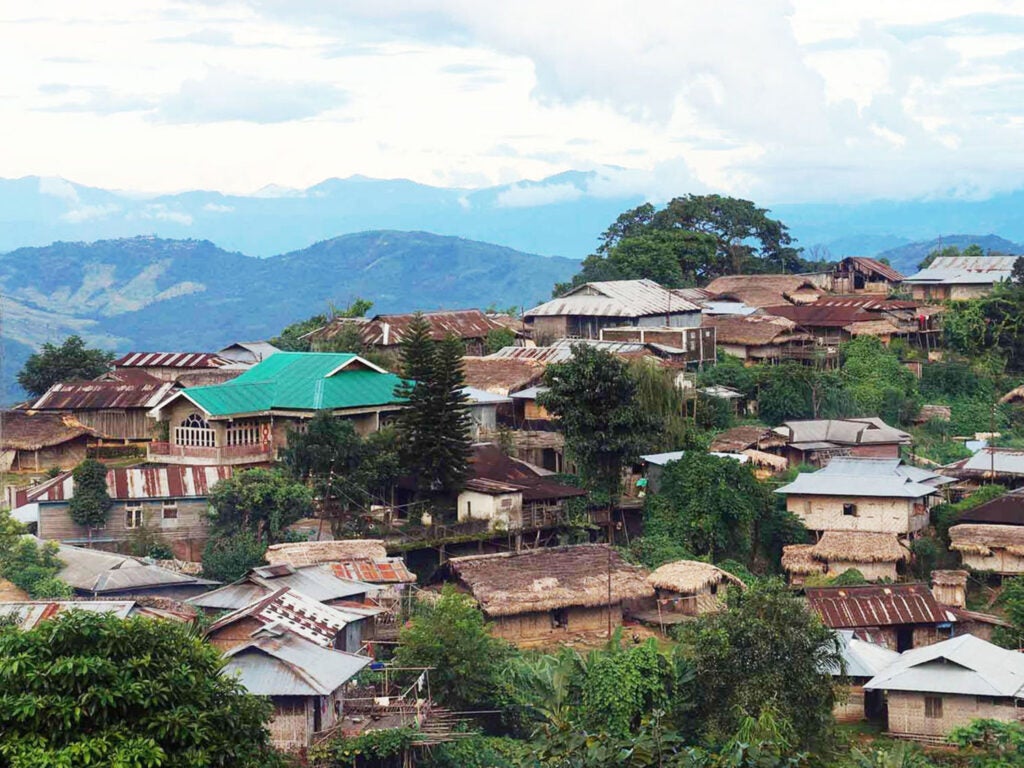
(780, 101)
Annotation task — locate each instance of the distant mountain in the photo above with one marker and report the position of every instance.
(155, 294)
(906, 257)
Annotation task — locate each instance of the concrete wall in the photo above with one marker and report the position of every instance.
(874, 514)
(964, 292)
(501, 510)
(907, 713)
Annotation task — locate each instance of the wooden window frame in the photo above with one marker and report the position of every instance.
(133, 517)
(933, 707)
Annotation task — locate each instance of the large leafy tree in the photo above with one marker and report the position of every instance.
(90, 504)
(765, 649)
(262, 502)
(53, 364)
(89, 689)
(593, 400)
(878, 382)
(290, 338)
(990, 325)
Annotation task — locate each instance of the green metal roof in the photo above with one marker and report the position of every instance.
(301, 381)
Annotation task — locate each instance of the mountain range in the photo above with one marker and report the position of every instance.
(154, 294)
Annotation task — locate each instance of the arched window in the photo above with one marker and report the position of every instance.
(194, 431)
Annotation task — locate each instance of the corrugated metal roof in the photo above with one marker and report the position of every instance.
(391, 330)
(1007, 461)
(869, 430)
(137, 390)
(965, 665)
(854, 476)
(616, 298)
(284, 664)
(170, 360)
(248, 352)
(389, 571)
(134, 483)
(877, 606)
(30, 614)
(90, 570)
(315, 581)
(661, 459)
(1008, 509)
(866, 264)
(954, 270)
(483, 397)
(861, 658)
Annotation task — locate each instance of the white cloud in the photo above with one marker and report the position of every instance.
(88, 212)
(218, 208)
(161, 212)
(57, 187)
(530, 195)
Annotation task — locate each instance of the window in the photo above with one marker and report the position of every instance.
(559, 619)
(170, 510)
(469, 509)
(850, 509)
(132, 515)
(245, 432)
(194, 431)
(807, 507)
(995, 701)
(933, 707)
(506, 503)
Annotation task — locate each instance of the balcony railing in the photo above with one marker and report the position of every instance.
(227, 454)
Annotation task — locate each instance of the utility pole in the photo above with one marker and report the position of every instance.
(609, 584)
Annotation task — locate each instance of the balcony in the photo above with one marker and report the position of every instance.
(170, 453)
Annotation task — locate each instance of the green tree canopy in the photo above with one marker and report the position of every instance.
(53, 364)
(261, 501)
(766, 648)
(90, 504)
(992, 325)
(89, 689)
(290, 339)
(878, 383)
(229, 557)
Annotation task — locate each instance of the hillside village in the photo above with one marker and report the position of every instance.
(710, 504)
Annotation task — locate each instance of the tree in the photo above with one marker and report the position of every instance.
(229, 558)
(90, 504)
(951, 251)
(290, 339)
(32, 567)
(766, 648)
(710, 505)
(878, 383)
(499, 338)
(90, 689)
(449, 636)
(593, 399)
(1013, 600)
(262, 502)
(53, 364)
(990, 325)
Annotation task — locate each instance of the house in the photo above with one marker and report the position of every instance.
(483, 411)
(188, 369)
(545, 596)
(875, 555)
(328, 626)
(35, 442)
(170, 502)
(511, 495)
(932, 690)
(304, 681)
(765, 290)
(682, 345)
(959, 277)
(759, 338)
(30, 614)
(500, 375)
(862, 661)
(685, 589)
(93, 573)
(990, 537)
(363, 560)
(247, 420)
(247, 352)
(860, 274)
(584, 310)
(1001, 465)
(950, 589)
(859, 494)
(385, 333)
(819, 440)
(832, 322)
(897, 616)
(762, 445)
(116, 405)
(317, 582)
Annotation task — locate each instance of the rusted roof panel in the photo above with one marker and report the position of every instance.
(877, 606)
(865, 264)
(137, 483)
(170, 360)
(389, 330)
(390, 571)
(616, 298)
(127, 389)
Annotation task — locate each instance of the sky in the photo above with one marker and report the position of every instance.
(775, 100)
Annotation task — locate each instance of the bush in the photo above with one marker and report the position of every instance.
(34, 568)
(227, 558)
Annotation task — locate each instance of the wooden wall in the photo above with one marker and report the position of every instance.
(874, 514)
(907, 713)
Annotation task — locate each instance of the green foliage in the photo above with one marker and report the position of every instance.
(230, 557)
(32, 567)
(945, 516)
(262, 502)
(373, 749)
(729, 371)
(290, 339)
(766, 648)
(91, 503)
(1013, 602)
(991, 324)
(990, 743)
(53, 364)
(655, 549)
(593, 400)
(901, 755)
(878, 383)
(88, 689)
(143, 541)
(499, 338)
(480, 752)
(449, 636)
(435, 425)
(709, 505)
(664, 403)
(851, 577)
(794, 391)
(953, 380)
(926, 556)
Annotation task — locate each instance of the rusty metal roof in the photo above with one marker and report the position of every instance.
(616, 298)
(865, 264)
(877, 606)
(389, 571)
(501, 375)
(127, 483)
(389, 330)
(121, 389)
(170, 360)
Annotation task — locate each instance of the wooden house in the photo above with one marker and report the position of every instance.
(867, 495)
(763, 446)
(818, 441)
(759, 338)
(959, 277)
(546, 596)
(585, 309)
(932, 690)
(765, 290)
(690, 345)
(35, 442)
(247, 420)
(862, 661)
(685, 589)
(875, 555)
(897, 616)
(168, 502)
(247, 353)
(304, 680)
(990, 537)
(860, 274)
(187, 369)
(483, 411)
(1000, 465)
(385, 333)
(116, 405)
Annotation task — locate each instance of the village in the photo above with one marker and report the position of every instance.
(393, 529)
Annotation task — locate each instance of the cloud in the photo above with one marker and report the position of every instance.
(224, 96)
(57, 187)
(530, 195)
(88, 212)
(160, 212)
(218, 208)
(205, 36)
(97, 100)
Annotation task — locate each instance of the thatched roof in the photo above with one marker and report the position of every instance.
(1015, 395)
(26, 431)
(753, 330)
(688, 577)
(949, 578)
(737, 439)
(871, 328)
(765, 290)
(980, 539)
(511, 583)
(315, 552)
(799, 559)
(500, 376)
(859, 547)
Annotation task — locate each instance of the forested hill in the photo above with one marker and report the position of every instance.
(905, 258)
(151, 293)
